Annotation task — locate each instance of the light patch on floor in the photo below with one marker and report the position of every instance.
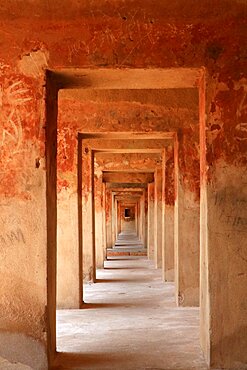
(130, 321)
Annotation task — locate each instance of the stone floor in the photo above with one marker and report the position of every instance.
(128, 238)
(130, 321)
(127, 244)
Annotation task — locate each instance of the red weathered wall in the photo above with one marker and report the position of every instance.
(164, 35)
(38, 34)
(21, 131)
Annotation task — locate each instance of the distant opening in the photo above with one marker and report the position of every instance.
(127, 213)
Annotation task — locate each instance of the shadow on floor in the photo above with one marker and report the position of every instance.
(65, 360)
(123, 258)
(124, 268)
(86, 305)
(107, 361)
(136, 280)
(112, 280)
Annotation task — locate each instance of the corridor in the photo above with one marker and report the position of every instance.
(123, 116)
(130, 321)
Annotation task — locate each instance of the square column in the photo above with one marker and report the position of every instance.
(187, 244)
(113, 219)
(146, 217)
(108, 217)
(136, 220)
(158, 218)
(116, 207)
(98, 196)
(88, 216)
(104, 220)
(223, 222)
(118, 218)
(68, 293)
(168, 268)
(150, 229)
(143, 218)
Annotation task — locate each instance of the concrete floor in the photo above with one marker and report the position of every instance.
(130, 322)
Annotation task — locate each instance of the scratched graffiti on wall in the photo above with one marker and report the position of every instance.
(134, 29)
(12, 237)
(231, 208)
(241, 127)
(11, 99)
(16, 106)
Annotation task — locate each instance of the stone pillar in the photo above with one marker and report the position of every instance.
(118, 218)
(158, 218)
(69, 289)
(163, 204)
(142, 217)
(28, 234)
(88, 217)
(99, 247)
(45, 255)
(224, 225)
(139, 219)
(205, 336)
(67, 250)
(116, 205)
(104, 220)
(150, 230)
(108, 213)
(146, 219)
(136, 219)
(169, 244)
(187, 245)
(168, 271)
(113, 219)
